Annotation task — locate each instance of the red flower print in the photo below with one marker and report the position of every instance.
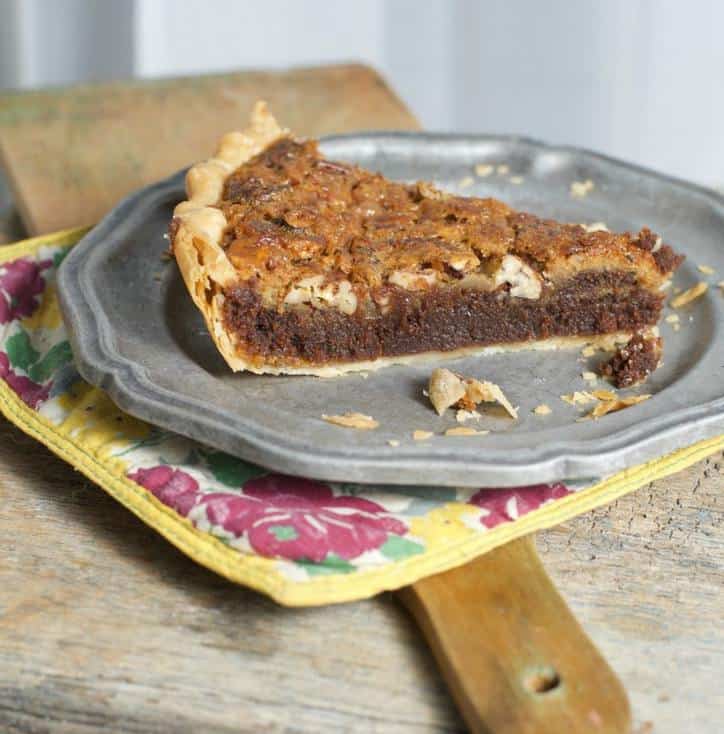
(31, 393)
(173, 487)
(301, 519)
(509, 503)
(21, 284)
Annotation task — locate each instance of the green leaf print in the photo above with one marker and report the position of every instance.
(284, 532)
(60, 256)
(397, 547)
(21, 352)
(55, 358)
(330, 565)
(229, 470)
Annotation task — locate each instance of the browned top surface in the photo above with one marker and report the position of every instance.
(70, 154)
(292, 214)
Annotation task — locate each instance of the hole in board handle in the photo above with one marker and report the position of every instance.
(543, 680)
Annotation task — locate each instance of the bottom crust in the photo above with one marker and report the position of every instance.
(604, 342)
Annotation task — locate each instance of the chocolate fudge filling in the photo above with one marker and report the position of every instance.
(633, 362)
(438, 319)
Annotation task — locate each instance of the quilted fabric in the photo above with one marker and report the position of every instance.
(299, 540)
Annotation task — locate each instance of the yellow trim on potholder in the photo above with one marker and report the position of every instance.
(445, 532)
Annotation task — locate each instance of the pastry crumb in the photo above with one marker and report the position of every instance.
(352, 420)
(672, 318)
(589, 376)
(612, 406)
(588, 351)
(579, 397)
(467, 415)
(581, 189)
(393, 442)
(604, 395)
(449, 389)
(421, 435)
(542, 409)
(596, 227)
(720, 284)
(516, 180)
(484, 169)
(503, 169)
(706, 269)
(466, 182)
(690, 295)
(464, 431)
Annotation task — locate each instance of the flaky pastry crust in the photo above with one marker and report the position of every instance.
(199, 227)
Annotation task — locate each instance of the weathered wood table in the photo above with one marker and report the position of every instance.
(106, 627)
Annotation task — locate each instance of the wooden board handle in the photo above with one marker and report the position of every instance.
(513, 654)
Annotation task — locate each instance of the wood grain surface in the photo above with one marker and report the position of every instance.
(70, 154)
(106, 627)
(514, 657)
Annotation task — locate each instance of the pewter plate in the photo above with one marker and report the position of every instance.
(136, 334)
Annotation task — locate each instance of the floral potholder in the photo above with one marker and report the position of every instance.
(299, 540)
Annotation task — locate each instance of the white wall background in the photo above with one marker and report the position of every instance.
(638, 79)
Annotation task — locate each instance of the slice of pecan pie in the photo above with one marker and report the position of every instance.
(304, 265)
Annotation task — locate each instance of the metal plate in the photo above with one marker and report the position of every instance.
(136, 333)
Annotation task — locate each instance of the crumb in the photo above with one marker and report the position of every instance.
(466, 182)
(352, 420)
(421, 435)
(604, 395)
(502, 169)
(611, 406)
(588, 351)
(672, 318)
(596, 227)
(542, 409)
(579, 397)
(464, 431)
(663, 697)
(589, 376)
(484, 169)
(364, 375)
(166, 255)
(393, 442)
(450, 389)
(581, 189)
(445, 389)
(688, 296)
(633, 362)
(425, 393)
(706, 269)
(677, 290)
(516, 180)
(467, 415)
(676, 327)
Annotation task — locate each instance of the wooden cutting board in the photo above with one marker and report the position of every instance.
(70, 154)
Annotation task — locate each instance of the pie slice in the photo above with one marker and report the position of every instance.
(308, 266)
